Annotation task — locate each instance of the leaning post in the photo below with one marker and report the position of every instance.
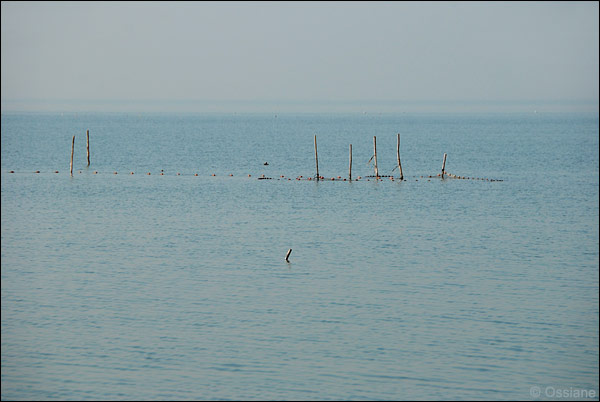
(398, 156)
(444, 166)
(316, 158)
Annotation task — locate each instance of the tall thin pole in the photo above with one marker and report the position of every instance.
(444, 166)
(375, 148)
(398, 156)
(72, 150)
(88, 147)
(350, 169)
(316, 157)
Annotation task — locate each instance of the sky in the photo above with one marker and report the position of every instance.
(311, 56)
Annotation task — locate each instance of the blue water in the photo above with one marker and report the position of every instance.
(150, 287)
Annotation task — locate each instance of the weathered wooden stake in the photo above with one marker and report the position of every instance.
(88, 147)
(287, 256)
(375, 148)
(444, 166)
(316, 158)
(398, 155)
(72, 150)
(350, 169)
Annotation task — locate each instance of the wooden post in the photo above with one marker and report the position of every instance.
(444, 166)
(88, 146)
(316, 158)
(72, 150)
(288, 255)
(398, 156)
(375, 148)
(350, 169)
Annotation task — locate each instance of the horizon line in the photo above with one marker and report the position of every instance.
(297, 105)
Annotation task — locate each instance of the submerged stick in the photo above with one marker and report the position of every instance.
(398, 156)
(444, 166)
(316, 158)
(88, 146)
(287, 256)
(72, 150)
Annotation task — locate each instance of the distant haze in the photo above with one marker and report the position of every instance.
(278, 56)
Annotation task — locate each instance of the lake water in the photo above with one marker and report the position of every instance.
(150, 287)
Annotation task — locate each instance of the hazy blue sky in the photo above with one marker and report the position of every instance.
(265, 53)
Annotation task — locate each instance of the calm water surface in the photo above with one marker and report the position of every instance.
(175, 287)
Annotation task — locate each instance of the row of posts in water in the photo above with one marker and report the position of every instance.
(318, 176)
(374, 158)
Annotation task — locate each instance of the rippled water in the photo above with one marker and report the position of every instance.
(176, 287)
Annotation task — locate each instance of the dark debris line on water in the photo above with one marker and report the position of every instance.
(321, 178)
